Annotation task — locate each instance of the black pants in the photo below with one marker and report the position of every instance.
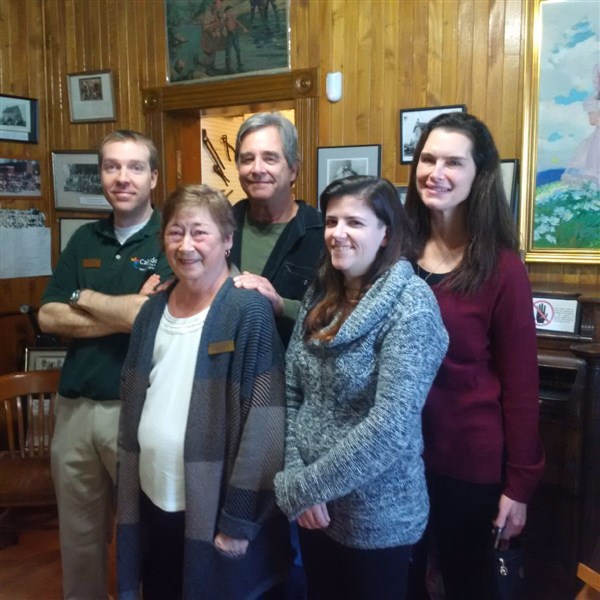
(460, 527)
(162, 551)
(335, 571)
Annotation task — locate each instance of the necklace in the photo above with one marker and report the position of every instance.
(433, 272)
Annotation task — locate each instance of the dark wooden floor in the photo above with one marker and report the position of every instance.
(30, 569)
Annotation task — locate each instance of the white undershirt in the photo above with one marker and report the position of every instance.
(124, 233)
(161, 432)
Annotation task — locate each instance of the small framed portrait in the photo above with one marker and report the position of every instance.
(402, 191)
(91, 96)
(510, 179)
(337, 162)
(77, 181)
(18, 119)
(412, 123)
(43, 359)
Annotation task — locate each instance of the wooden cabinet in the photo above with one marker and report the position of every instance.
(564, 514)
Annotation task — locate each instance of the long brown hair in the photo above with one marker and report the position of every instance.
(330, 306)
(490, 224)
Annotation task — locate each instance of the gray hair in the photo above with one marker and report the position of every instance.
(287, 133)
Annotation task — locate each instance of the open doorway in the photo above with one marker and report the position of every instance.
(218, 134)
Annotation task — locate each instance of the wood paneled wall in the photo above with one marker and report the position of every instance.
(393, 54)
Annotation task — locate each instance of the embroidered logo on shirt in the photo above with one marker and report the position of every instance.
(144, 264)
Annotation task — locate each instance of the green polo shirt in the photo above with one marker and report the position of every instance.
(95, 260)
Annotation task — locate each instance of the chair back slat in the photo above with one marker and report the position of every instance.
(28, 401)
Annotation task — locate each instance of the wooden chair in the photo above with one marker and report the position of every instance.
(26, 427)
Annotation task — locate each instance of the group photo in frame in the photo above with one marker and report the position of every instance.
(20, 177)
(336, 162)
(561, 133)
(18, 119)
(209, 40)
(412, 123)
(91, 97)
(43, 359)
(77, 181)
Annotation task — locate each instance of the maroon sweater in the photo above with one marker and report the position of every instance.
(480, 421)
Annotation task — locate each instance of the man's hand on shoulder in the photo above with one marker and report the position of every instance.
(153, 285)
(249, 281)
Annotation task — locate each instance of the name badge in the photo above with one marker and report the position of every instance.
(91, 263)
(221, 347)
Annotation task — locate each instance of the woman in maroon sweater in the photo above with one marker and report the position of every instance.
(482, 450)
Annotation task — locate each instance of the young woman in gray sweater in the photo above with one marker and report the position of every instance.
(367, 344)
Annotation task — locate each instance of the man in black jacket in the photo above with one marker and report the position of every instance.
(279, 240)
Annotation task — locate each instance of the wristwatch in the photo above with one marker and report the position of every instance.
(74, 299)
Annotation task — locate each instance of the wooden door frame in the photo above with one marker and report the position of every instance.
(173, 113)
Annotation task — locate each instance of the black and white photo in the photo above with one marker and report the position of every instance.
(412, 122)
(19, 177)
(77, 181)
(18, 119)
(336, 162)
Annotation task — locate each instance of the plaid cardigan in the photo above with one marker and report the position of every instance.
(233, 447)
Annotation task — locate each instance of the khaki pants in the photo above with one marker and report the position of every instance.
(84, 458)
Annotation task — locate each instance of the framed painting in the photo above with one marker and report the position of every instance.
(212, 39)
(336, 162)
(412, 122)
(18, 119)
(560, 180)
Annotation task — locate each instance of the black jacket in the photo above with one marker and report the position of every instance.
(292, 265)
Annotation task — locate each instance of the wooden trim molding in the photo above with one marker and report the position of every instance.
(171, 111)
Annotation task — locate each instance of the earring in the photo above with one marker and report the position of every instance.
(227, 253)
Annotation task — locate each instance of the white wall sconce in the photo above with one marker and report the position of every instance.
(333, 86)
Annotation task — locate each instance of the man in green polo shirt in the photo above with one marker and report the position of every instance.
(102, 278)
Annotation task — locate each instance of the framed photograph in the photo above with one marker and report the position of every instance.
(209, 40)
(19, 177)
(335, 162)
(402, 190)
(18, 119)
(77, 181)
(560, 160)
(510, 178)
(67, 227)
(556, 313)
(412, 122)
(91, 97)
(43, 359)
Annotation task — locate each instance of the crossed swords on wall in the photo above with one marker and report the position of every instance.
(218, 166)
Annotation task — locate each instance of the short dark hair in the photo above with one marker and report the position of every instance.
(287, 133)
(489, 222)
(199, 196)
(128, 135)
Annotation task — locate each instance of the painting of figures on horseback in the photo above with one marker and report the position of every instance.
(217, 39)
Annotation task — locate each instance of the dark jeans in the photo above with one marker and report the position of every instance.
(335, 571)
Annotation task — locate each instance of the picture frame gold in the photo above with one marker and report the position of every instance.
(560, 207)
